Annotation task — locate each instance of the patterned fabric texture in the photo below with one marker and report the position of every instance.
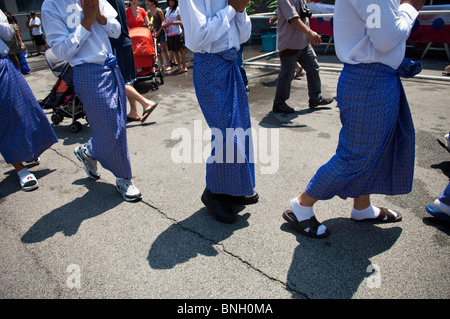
(223, 100)
(101, 89)
(375, 153)
(25, 132)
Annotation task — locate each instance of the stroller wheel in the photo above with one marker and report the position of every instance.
(56, 119)
(75, 127)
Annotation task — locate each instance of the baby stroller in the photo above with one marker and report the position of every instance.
(62, 98)
(146, 57)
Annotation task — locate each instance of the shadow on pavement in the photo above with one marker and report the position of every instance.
(335, 267)
(180, 242)
(68, 218)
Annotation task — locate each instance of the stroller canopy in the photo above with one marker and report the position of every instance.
(143, 49)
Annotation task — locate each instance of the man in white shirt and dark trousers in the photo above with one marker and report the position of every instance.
(376, 148)
(294, 44)
(78, 32)
(36, 32)
(214, 30)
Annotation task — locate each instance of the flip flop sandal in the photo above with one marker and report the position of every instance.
(132, 119)
(312, 223)
(147, 112)
(385, 216)
(29, 182)
(433, 211)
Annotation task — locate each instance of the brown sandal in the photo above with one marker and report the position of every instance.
(385, 216)
(312, 223)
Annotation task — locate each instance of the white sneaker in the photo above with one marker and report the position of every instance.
(90, 164)
(127, 189)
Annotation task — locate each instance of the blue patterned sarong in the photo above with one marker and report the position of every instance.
(375, 154)
(101, 89)
(223, 100)
(25, 132)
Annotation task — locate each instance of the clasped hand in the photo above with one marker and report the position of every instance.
(91, 10)
(239, 5)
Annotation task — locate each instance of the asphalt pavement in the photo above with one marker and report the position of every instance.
(77, 238)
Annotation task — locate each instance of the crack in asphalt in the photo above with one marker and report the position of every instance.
(290, 289)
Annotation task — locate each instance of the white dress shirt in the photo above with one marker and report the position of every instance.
(69, 40)
(212, 26)
(369, 31)
(6, 34)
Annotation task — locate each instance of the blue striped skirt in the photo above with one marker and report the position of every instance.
(223, 100)
(101, 89)
(25, 132)
(375, 153)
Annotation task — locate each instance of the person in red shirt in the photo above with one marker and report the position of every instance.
(136, 16)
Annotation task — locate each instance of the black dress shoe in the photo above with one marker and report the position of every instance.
(322, 101)
(244, 200)
(282, 108)
(218, 206)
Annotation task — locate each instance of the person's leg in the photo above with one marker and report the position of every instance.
(103, 96)
(285, 77)
(308, 59)
(134, 96)
(134, 113)
(183, 59)
(18, 166)
(165, 51)
(302, 217)
(177, 57)
(363, 209)
(224, 104)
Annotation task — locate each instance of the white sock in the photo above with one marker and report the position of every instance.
(369, 212)
(23, 173)
(303, 213)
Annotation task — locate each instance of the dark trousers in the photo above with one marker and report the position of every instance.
(308, 60)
